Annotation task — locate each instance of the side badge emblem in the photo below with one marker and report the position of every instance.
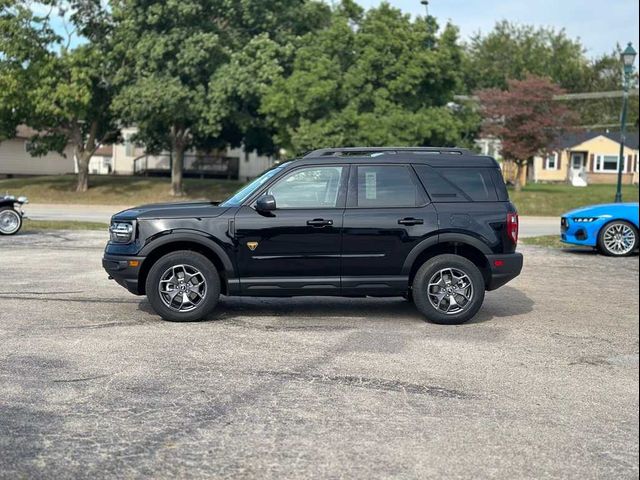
(252, 245)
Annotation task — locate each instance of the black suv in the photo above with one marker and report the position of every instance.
(434, 225)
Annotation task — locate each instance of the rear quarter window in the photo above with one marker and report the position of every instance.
(458, 184)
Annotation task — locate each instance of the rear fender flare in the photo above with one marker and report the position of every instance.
(441, 239)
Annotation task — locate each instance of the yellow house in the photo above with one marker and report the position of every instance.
(589, 154)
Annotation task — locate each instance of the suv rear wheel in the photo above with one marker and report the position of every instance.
(183, 286)
(448, 289)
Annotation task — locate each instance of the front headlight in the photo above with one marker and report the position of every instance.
(121, 232)
(584, 219)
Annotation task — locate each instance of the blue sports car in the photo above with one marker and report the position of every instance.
(612, 228)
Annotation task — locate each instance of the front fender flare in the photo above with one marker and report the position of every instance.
(176, 236)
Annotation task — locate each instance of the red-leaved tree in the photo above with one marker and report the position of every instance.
(525, 118)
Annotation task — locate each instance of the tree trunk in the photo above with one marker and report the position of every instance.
(521, 176)
(177, 189)
(83, 153)
(83, 157)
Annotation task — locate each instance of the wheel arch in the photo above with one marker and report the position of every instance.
(463, 245)
(186, 241)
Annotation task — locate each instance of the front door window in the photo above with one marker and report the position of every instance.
(315, 187)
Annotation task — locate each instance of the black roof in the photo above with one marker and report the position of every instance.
(572, 139)
(434, 156)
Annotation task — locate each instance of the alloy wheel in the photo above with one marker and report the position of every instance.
(182, 288)
(450, 291)
(619, 238)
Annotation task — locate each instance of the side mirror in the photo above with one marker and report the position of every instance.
(266, 203)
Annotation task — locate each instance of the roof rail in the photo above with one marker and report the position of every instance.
(368, 151)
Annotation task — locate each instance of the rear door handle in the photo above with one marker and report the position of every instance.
(410, 221)
(319, 222)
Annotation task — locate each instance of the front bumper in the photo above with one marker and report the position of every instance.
(580, 233)
(503, 269)
(123, 271)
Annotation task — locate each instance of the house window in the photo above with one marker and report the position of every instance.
(551, 162)
(130, 147)
(607, 163)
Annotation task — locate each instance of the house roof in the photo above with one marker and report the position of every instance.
(104, 151)
(572, 139)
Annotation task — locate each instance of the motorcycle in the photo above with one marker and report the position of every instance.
(11, 214)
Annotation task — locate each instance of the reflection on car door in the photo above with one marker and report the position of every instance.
(297, 246)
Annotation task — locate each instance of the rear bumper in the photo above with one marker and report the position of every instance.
(504, 268)
(119, 269)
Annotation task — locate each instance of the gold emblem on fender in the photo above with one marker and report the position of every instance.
(252, 245)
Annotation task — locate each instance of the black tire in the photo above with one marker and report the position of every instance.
(432, 267)
(602, 246)
(15, 215)
(188, 258)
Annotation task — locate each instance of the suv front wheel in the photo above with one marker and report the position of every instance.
(183, 286)
(448, 289)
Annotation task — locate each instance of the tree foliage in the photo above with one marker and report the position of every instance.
(63, 93)
(192, 71)
(525, 118)
(512, 52)
(370, 78)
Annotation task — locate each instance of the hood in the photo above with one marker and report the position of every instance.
(171, 210)
(603, 210)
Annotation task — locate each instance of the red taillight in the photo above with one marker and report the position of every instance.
(512, 226)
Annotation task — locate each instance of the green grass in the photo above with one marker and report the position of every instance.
(549, 241)
(554, 199)
(40, 225)
(114, 190)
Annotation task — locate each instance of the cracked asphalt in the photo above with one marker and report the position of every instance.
(542, 384)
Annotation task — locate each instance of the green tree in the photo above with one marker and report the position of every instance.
(192, 70)
(370, 78)
(512, 51)
(67, 95)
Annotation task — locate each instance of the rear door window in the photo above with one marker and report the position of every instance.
(386, 186)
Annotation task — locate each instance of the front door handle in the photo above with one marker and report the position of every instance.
(319, 222)
(410, 221)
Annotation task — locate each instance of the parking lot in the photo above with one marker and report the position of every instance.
(543, 384)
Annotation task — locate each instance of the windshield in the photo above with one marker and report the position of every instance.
(246, 191)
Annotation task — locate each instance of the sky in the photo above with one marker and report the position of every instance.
(598, 24)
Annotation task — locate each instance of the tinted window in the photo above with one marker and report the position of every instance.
(437, 187)
(386, 186)
(458, 184)
(315, 187)
(476, 183)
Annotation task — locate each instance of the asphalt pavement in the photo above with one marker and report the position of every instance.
(542, 384)
(529, 226)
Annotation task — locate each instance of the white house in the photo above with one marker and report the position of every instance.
(129, 159)
(16, 160)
